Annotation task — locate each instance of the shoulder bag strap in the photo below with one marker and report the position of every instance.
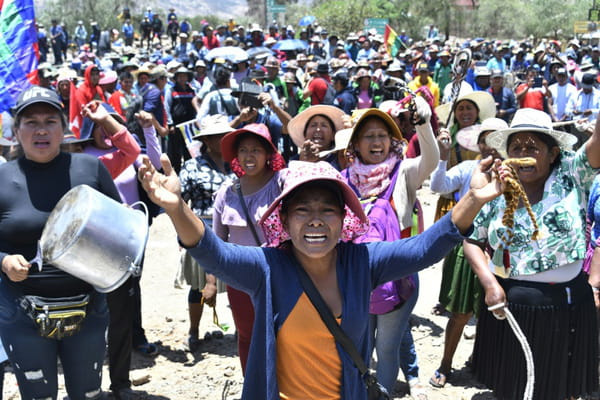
(329, 320)
(238, 189)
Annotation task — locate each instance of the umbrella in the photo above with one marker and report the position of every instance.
(256, 52)
(230, 53)
(307, 20)
(290, 45)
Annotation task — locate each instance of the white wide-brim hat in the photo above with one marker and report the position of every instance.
(469, 136)
(529, 120)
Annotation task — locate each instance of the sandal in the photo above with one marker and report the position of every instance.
(417, 390)
(217, 334)
(439, 379)
(193, 343)
(438, 309)
(147, 349)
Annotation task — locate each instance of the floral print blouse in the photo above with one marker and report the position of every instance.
(200, 179)
(560, 216)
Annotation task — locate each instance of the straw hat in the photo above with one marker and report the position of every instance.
(483, 100)
(529, 120)
(297, 125)
(374, 112)
(216, 124)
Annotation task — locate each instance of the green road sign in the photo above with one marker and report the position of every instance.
(377, 23)
(277, 9)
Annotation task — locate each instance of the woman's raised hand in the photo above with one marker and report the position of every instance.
(95, 111)
(488, 178)
(423, 109)
(163, 189)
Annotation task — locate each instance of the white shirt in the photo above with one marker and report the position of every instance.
(588, 101)
(563, 99)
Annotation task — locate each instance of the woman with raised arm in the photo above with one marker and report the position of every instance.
(308, 228)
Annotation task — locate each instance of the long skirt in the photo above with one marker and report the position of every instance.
(460, 291)
(559, 322)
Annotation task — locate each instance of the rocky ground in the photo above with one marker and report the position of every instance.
(213, 372)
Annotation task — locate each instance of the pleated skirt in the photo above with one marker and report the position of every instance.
(559, 322)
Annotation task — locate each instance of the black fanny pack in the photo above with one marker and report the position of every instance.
(56, 317)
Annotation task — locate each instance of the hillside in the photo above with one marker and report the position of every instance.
(222, 8)
(185, 8)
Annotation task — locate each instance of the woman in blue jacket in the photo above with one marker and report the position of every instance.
(309, 226)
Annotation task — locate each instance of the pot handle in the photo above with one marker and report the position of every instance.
(38, 260)
(134, 267)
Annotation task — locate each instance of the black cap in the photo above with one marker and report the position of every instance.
(323, 68)
(588, 80)
(36, 94)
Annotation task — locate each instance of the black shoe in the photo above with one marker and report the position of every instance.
(147, 349)
(125, 394)
(193, 343)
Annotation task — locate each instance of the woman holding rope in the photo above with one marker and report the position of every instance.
(539, 281)
(293, 354)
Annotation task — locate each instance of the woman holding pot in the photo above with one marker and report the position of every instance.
(313, 132)
(293, 354)
(535, 267)
(387, 184)
(36, 182)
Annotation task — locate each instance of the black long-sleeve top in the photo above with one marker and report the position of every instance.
(30, 191)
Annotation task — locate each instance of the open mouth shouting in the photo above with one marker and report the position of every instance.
(315, 238)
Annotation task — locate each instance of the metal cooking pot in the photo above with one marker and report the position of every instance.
(94, 238)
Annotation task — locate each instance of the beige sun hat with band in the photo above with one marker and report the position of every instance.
(483, 100)
(529, 120)
(213, 125)
(297, 126)
(360, 115)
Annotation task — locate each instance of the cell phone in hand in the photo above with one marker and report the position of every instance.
(537, 82)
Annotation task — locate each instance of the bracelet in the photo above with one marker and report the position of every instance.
(595, 289)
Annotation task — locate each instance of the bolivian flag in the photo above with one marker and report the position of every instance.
(392, 41)
(18, 50)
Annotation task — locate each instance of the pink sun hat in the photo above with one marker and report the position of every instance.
(355, 221)
(228, 150)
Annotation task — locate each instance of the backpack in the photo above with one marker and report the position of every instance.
(225, 105)
(133, 126)
(329, 96)
(384, 226)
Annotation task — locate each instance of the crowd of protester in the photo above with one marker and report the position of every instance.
(264, 107)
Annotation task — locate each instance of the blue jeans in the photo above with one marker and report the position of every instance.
(34, 358)
(394, 344)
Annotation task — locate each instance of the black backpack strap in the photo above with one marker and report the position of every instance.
(338, 333)
(238, 188)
